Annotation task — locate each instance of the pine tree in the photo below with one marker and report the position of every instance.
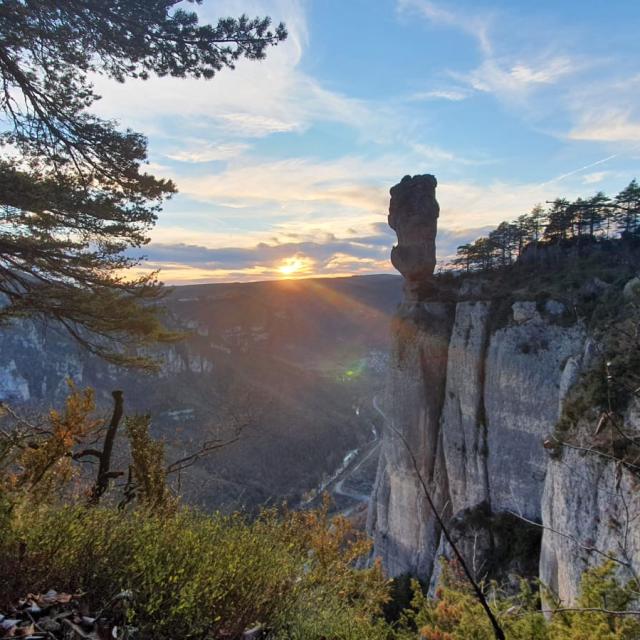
(73, 198)
(506, 241)
(561, 220)
(463, 257)
(483, 254)
(596, 212)
(627, 204)
(538, 220)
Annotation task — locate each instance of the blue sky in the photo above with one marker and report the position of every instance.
(284, 165)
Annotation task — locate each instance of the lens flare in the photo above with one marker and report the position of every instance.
(291, 266)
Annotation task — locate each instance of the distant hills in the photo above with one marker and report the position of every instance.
(293, 365)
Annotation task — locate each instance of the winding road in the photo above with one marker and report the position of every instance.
(371, 449)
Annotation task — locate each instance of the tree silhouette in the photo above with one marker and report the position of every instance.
(582, 220)
(73, 195)
(627, 204)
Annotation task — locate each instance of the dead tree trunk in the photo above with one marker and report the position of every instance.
(104, 467)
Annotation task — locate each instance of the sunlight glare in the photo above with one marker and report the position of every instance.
(291, 266)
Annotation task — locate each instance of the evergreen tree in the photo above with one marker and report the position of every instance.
(577, 212)
(560, 224)
(483, 254)
(464, 257)
(506, 241)
(627, 204)
(596, 212)
(524, 231)
(537, 221)
(73, 197)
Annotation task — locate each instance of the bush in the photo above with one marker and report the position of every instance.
(601, 591)
(199, 576)
(456, 614)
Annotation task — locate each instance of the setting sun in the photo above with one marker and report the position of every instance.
(291, 266)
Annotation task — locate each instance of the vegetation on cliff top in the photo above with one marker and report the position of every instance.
(563, 223)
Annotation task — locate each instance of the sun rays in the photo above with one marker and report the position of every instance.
(296, 266)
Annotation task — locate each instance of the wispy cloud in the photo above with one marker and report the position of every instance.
(326, 255)
(350, 181)
(607, 125)
(198, 151)
(452, 95)
(254, 100)
(507, 79)
(475, 25)
(580, 170)
(595, 177)
(550, 79)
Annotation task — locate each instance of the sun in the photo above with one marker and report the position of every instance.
(291, 266)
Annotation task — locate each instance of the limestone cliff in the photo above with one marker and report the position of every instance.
(477, 383)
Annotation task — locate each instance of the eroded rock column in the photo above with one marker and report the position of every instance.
(405, 532)
(413, 215)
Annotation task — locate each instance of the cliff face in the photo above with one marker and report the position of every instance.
(474, 405)
(590, 508)
(476, 385)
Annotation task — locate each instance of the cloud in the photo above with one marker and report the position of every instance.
(594, 178)
(303, 255)
(474, 25)
(581, 169)
(507, 79)
(198, 151)
(256, 99)
(452, 95)
(352, 181)
(607, 125)
(327, 255)
(302, 200)
(324, 255)
(541, 78)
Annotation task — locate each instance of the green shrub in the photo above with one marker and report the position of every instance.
(199, 576)
(601, 589)
(456, 614)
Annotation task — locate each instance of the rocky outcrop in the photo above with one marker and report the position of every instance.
(413, 215)
(477, 383)
(590, 510)
(472, 404)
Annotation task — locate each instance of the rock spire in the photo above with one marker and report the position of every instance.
(413, 215)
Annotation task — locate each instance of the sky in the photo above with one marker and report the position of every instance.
(284, 165)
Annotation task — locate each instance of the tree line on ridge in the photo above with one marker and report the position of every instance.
(563, 222)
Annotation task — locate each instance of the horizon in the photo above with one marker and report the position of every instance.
(283, 166)
(289, 279)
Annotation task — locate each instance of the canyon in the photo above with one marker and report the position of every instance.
(283, 370)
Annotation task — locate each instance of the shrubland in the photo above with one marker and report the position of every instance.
(192, 574)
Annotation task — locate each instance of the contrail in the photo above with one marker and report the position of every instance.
(571, 173)
(588, 166)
